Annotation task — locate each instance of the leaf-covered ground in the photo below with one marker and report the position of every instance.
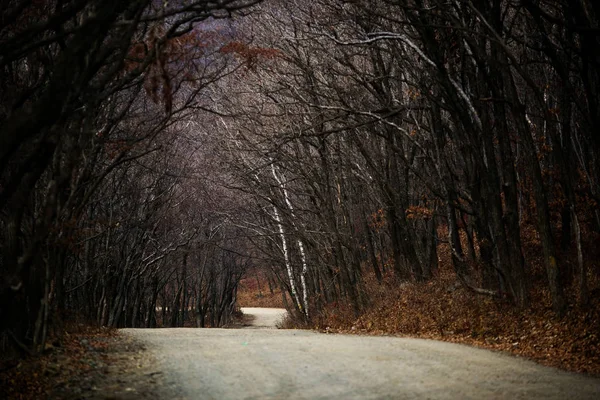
(439, 310)
(443, 309)
(90, 364)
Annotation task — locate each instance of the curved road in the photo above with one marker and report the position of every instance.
(266, 363)
(264, 317)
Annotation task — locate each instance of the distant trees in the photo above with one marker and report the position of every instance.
(154, 255)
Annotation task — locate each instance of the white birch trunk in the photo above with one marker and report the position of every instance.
(299, 241)
(286, 257)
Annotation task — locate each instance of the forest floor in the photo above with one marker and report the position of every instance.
(86, 364)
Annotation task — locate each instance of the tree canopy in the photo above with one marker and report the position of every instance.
(151, 152)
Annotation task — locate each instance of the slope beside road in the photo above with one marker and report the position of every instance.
(266, 363)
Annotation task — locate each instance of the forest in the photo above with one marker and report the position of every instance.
(152, 153)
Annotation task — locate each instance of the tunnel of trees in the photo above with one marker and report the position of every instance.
(151, 152)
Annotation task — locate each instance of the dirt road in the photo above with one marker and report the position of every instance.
(264, 317)
(292, 364)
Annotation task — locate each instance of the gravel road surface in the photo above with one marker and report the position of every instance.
(294, 364)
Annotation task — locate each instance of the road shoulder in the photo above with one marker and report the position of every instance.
(94, 365)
